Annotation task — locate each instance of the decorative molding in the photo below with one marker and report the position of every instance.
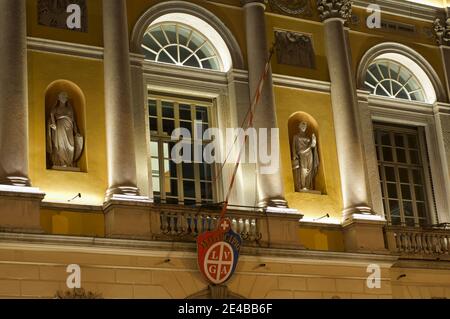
(295, 49)
(158, 249)
(301, 83)
(441, 31)
(328, 9)
(65, 48)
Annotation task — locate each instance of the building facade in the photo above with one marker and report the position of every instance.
(91, 91)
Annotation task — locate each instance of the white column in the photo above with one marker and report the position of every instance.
(119, 114)
(13, 94)
(270, 186)
(345, 109)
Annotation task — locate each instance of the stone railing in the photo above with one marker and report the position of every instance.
(257, 228)
(189, 224)
(419, 242)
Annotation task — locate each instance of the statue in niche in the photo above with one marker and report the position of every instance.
(64, 141)
(305, 159)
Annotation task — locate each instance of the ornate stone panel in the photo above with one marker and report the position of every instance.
(55, 13)
(295, 49)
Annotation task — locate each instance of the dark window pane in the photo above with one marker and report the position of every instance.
(202, 114)
(412, 141)
(406, 192)
(387, 154)
(185, 112)
(168, 110)
(172, 187)
(407, 208)
(417, 175)
(399, 140)
(168, 126)
(394, 208)
(187, 126)
(401, 155)
(206, 189)
(152, 108)
(414, 155)
(173, 169)
(189, 189)
(421, 209)
(390, 174)
(188, 171)
(420, 195)
(153, 124)
(385, 139)
(205, 172)
(392, 190)
(403, 173)
(164, 58)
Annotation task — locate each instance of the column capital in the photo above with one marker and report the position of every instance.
(340, 9)
(441, 31)
(248, 2)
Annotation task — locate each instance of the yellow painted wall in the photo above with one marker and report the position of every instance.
(43, 69)
(288, 102)
(60, 222)
(316, 238)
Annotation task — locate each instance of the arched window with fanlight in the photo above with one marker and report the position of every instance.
(187, 45)
(392, 79)
(403, 89)
(182, 45)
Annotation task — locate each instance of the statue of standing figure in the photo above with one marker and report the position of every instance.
(64, 141)
(305, 158)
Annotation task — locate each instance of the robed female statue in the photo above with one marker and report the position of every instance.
(305, 158)
(64, 141)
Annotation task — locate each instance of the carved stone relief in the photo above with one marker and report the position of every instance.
(295, 49)
(56, 13)
(292, 7)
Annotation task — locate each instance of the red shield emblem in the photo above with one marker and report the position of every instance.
(218, 252)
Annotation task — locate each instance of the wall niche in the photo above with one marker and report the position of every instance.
(65, 106)
(311, 155)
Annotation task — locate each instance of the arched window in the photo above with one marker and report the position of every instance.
(392, 79)
(186, 40)
(395, 76)
(180, 44)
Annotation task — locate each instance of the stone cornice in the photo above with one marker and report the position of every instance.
(328, 9)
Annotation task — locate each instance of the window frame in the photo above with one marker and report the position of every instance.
(423, 165)
(400, 112)
(178, 99)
